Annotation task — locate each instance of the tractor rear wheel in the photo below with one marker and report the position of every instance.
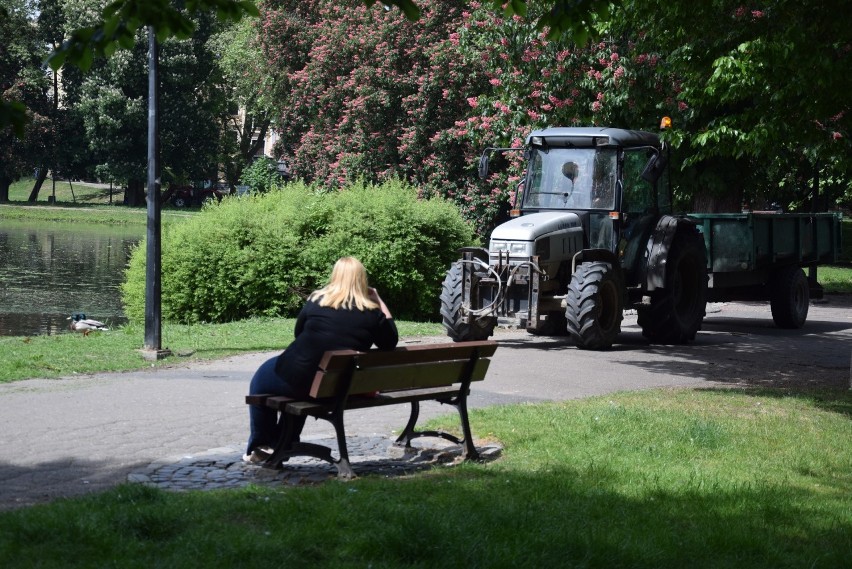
(789, 297)
(676, 311)
(452, 310)
(594, 306)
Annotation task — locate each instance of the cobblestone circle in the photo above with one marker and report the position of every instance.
(376, 456)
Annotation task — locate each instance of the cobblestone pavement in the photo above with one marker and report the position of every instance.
(375, 456)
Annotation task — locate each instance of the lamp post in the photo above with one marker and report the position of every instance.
(152, 349)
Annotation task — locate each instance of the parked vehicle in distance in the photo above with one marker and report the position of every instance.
(188, 196)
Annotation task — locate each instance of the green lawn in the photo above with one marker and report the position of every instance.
(667, 478)
(66, 192)
(71, 353)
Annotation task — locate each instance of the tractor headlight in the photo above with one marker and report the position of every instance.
(515, 248)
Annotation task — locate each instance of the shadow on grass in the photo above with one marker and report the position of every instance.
(577, 516)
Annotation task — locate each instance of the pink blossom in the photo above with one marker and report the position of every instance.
(614, 56)
(836, 135)
(473, 102)
(495, 82)
(682, 106)
(756, 14)
(533, 115)
(596, 106)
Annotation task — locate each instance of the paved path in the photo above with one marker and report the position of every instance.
(175, 426)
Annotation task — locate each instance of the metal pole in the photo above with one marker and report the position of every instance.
(153, 328)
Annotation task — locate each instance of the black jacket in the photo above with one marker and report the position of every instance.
(319, 329)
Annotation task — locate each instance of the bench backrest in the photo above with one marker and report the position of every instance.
(409, 367)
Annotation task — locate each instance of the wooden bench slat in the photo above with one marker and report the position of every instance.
(361, 402)
(399, 376)
(425, 353)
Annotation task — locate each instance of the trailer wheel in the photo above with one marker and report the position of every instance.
(180, 201)
(676, 311)
(594, 306)
(452, 311)
(789, 297)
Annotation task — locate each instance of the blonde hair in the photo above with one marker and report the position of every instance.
(347, 287)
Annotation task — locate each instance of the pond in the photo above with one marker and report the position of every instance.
(49, 271)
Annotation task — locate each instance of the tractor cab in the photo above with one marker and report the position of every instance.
(610, 178)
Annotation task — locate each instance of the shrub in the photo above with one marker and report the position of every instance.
(261, 255)
(261, 175)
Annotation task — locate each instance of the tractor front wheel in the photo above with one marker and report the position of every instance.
(594, 306)
(453, 310)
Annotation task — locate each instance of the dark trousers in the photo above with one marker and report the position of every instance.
(264, 427)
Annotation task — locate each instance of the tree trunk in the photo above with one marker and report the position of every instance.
(42, 174)
(4, 189)
(134, 194)
(706, 202)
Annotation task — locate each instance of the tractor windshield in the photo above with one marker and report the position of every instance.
(571, 178)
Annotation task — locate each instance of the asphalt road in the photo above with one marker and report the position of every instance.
(76, 435)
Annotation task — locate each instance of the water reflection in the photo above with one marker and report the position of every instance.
(49, 271)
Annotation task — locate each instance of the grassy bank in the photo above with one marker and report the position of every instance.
(65, 192)
(118, 350)
(88, 204)
(671, 478)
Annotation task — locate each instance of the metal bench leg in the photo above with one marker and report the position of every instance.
(470, 452)
(408, 431)
(344, 467)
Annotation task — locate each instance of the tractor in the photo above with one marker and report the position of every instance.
(591, 235)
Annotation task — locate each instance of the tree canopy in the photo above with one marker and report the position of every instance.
(758, 93)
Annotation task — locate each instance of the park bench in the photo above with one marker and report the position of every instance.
(348, 379)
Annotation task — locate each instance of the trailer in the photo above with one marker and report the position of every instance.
(762, 256)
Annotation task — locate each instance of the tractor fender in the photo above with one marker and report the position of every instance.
(656, 252)
(599, 255)
(588, 255)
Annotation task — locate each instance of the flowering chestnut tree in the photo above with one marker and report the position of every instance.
(370, 94)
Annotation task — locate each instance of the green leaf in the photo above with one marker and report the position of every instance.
(87, 55)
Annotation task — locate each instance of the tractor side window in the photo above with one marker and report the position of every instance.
(603, 184)
(638, 193)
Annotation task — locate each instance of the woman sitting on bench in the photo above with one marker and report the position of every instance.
(346, 314)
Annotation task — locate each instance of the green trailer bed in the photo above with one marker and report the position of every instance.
(760, 256)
